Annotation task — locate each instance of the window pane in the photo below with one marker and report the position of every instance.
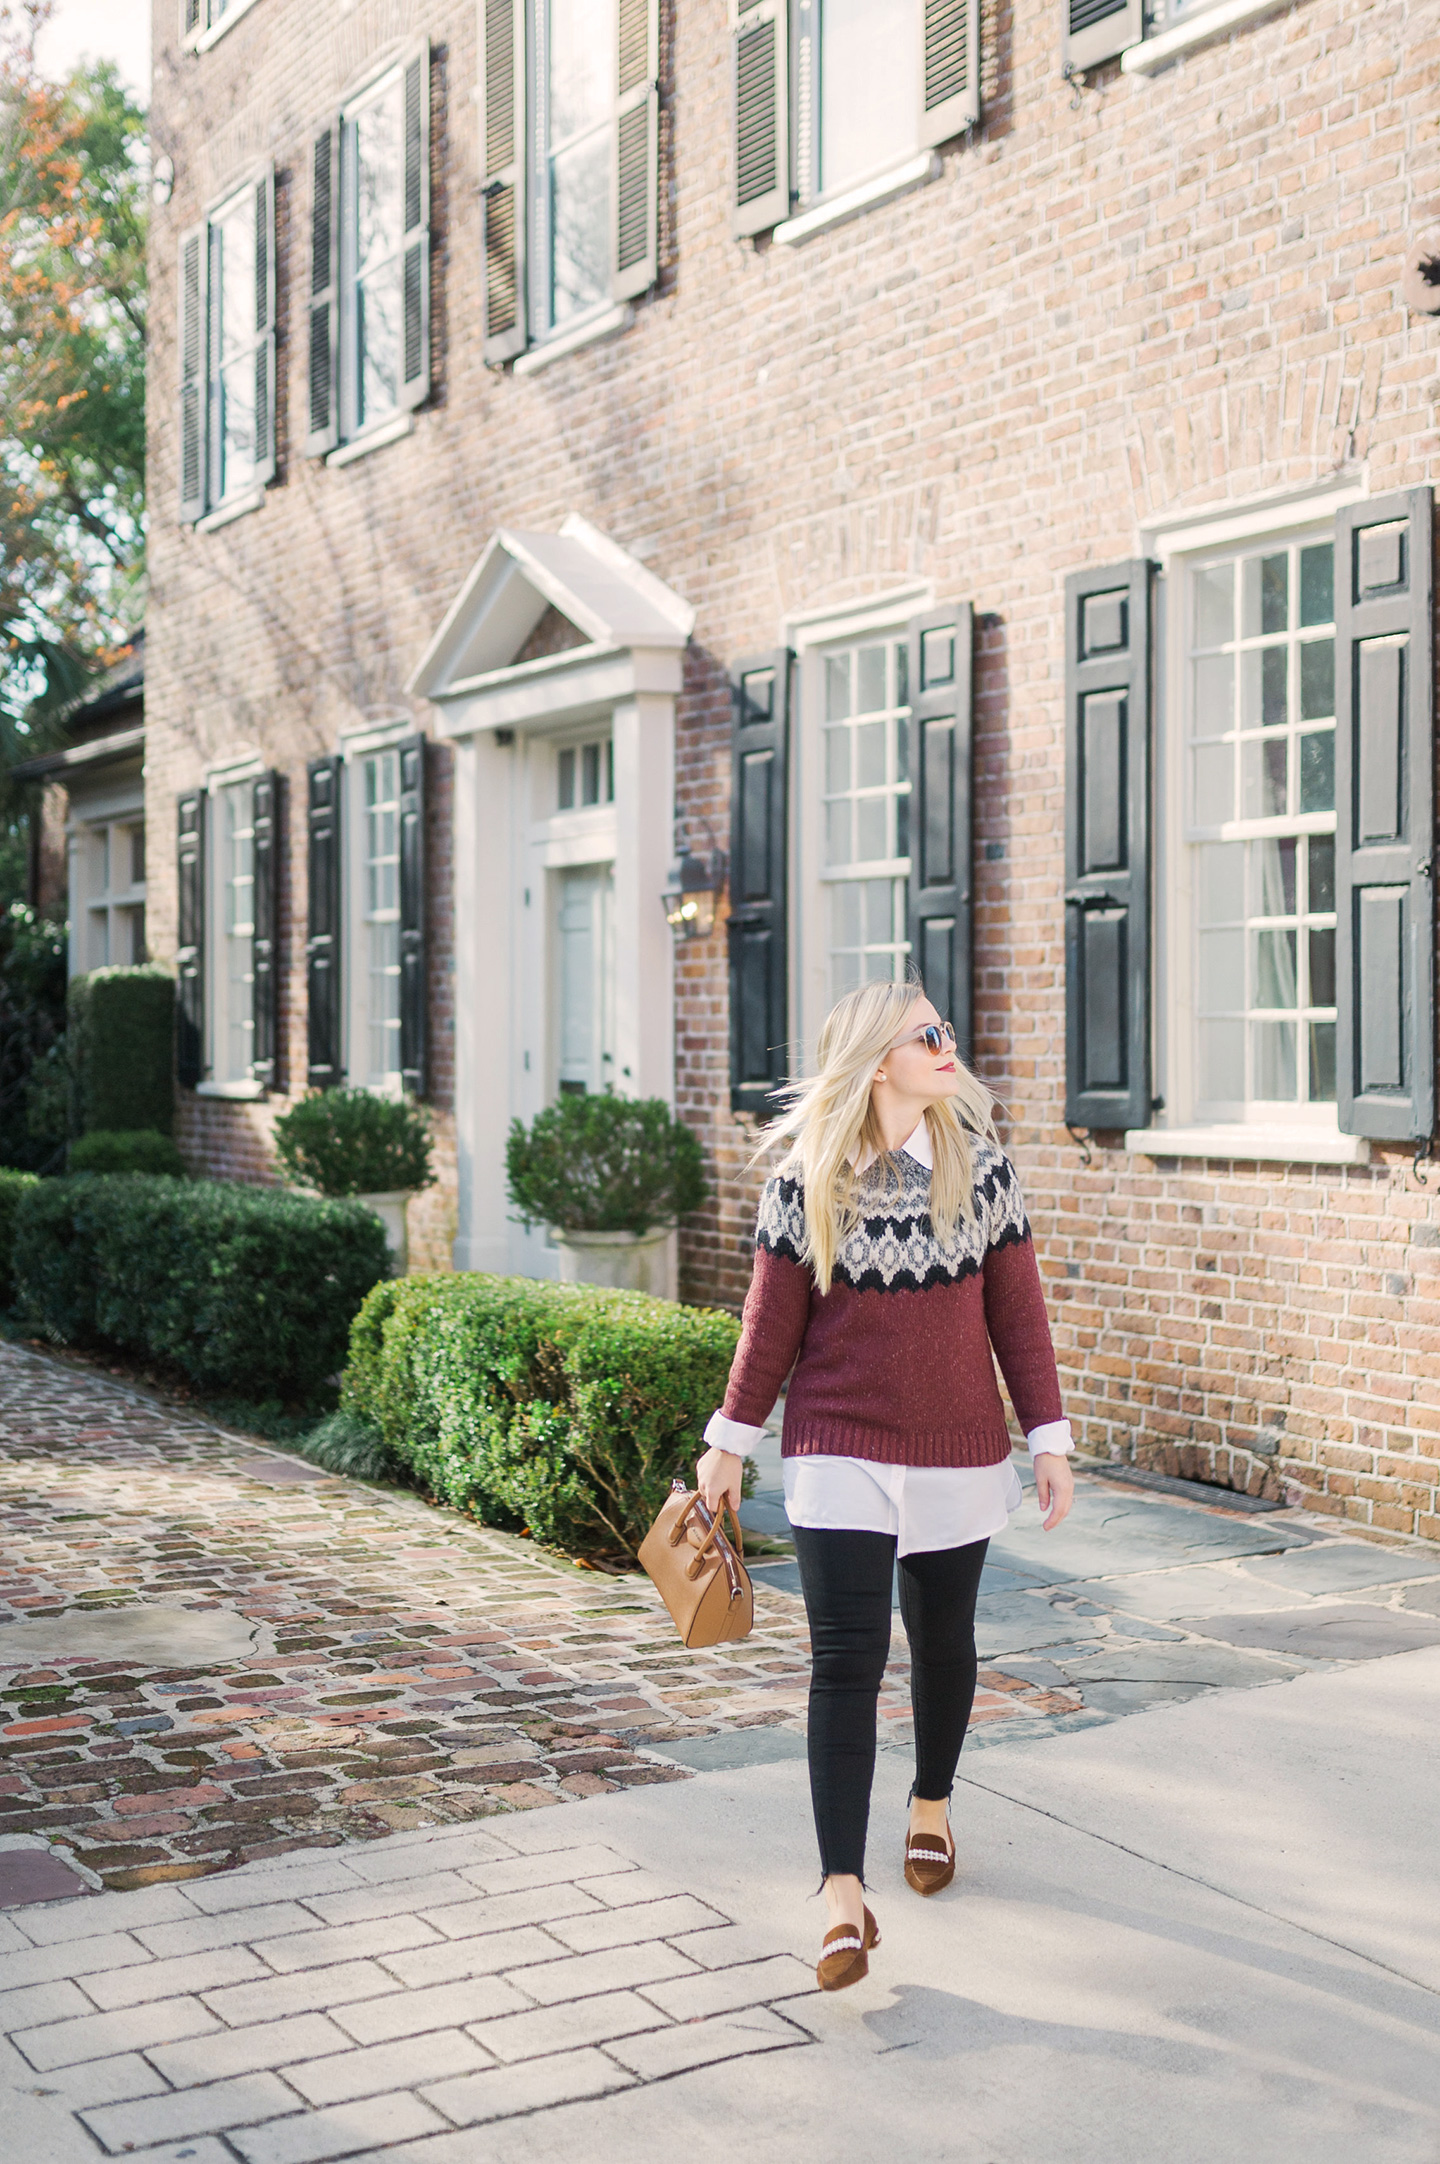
(1265, 594)
(837, 686)
(870, 756)
(580, 217)
(237, 426)
(1264, 766)
(1317, 771)
(1214, 695)
(870, 672)
(837, 760)
(869, 86)
(1222, 972)
(1322, 968)
(565, 780)
(582, 65)
(377, 332)
(1222, 1062)
(1274, 957)
(1322, 872)
(1274, 1053)
(232, 269)
(1272, 878)
(1264, 689)
(1317, 680)
(1322, 1063)
(872, 829)
(845, 908)
(1214, 784)
(837, 833)
(590, 784)
(1215, 605)
(902, 748)
(379, 211)
(1222, 888)
(137, 856)
(1317, 584)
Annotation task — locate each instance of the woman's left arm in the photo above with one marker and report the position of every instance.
(1020, 1333)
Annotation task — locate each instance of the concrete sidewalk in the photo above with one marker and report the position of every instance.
(1202, 1935)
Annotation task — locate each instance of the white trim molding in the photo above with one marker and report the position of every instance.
(589, 333)
(1152, 54)
(225, 512)
(1244, 1144)
(1182, 533)
(916, 172)
(202, 40)
(391, 431)
(242, 1092)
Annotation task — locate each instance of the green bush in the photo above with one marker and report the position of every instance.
(564, 1410)
(122, 1050)
(242, 1289)
(351, 1142)
(142, 1150)
(32, 1042)
(604, 1164)
(13, 1187)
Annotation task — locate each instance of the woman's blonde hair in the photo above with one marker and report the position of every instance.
(830, 1122)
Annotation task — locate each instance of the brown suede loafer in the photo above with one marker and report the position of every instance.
(845, 1954)
(928, 1865)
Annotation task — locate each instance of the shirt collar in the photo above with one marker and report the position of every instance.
(917, 1146)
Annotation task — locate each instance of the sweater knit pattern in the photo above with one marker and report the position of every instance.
(893, 1246)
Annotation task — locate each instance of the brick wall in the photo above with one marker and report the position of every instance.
(1154, 295)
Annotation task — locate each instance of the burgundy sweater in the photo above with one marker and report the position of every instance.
(894, 1362)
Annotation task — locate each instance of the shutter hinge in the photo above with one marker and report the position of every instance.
(1080, 1136)
(1424, 1152)
(1093, 901)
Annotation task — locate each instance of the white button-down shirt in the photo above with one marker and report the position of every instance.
(923, 1507)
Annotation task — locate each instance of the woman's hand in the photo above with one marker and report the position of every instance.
(718, 1475)
(1054, 1486)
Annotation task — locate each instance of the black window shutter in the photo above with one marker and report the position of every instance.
(1385, 817)
(265, 388)
(1097, 30)
(190, 947)
(323, 431)
(1107, 846)
(413, 1002)
(502, 109)
(760, 46)
(415, 272)
(758, 933)
(636, 179)
(194, 370)
(265, 948)
(322, 947)
(939, 812)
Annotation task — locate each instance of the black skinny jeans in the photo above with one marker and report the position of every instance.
(846, 1579)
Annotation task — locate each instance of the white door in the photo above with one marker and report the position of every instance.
(585, 979)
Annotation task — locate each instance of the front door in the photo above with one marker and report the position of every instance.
(585, 974)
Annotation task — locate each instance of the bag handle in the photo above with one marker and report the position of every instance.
(714, 1537)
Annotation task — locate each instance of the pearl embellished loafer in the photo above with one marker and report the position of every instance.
(929, 1864)
(845, 1954)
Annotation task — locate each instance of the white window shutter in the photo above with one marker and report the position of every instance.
(950, 69)
(1097, 30)
(415, 356)
(636, 177)
(194, 370)
(760, 68)
(265, 393)
(502, 163)
(323, 432)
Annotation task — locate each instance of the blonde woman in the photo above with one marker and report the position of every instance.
(892, 1253)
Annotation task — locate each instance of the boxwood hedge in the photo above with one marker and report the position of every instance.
(243, 1289)
(13, 1187)
(561, 1410)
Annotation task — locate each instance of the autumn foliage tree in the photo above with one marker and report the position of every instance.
(72, 391)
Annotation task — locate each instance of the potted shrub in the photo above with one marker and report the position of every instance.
(610, 1176)
(349, 1142)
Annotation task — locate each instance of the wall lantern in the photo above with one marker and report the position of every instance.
(693, 888)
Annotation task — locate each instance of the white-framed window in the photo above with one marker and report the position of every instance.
(203, 22)
(573, 156)
(370, 262)
(585, 774)
(227, 353)
(859, 695)
(1253, 941)
(375, 976)
(107, 894)
(858, 90)
(232, 961)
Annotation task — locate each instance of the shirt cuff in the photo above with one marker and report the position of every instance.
(733, 1435)
(1054, 1437)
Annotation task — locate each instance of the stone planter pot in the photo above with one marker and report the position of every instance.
(630, 1261)
(390, 1208)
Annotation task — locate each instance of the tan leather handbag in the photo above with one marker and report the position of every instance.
(701, 1577)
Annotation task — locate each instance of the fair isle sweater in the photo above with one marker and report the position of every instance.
(894, 1362)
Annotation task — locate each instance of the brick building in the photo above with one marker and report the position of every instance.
(973, 470)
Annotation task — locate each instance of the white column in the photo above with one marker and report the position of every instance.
(484, 777)
(644, 943)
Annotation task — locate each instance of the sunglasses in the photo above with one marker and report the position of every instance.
(937, 1037)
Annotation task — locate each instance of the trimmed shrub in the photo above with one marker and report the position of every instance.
(562, 1410)
(140, 1151)
(13, 1187)
(604, 1164)
(122, 1050)
(34, 1082)
(351, 1142)
(242, 1289)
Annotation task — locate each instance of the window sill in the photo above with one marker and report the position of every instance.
(244, 1092)
(214, 520)
(1251, 1145)
(1153, 54)
(388, 432)
(883, 188)
(614, 319)
(216, 32)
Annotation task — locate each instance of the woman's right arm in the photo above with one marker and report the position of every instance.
(772, 1326)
